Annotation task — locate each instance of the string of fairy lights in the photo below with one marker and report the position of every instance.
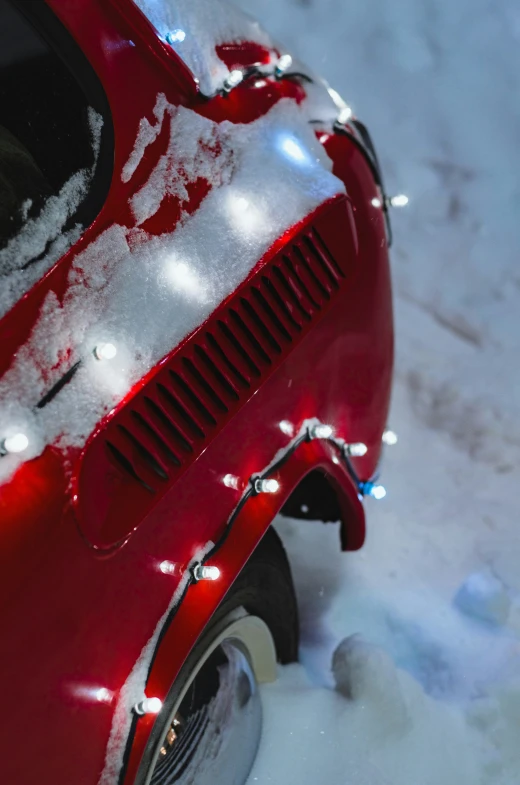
(17, 442)
(266, 483)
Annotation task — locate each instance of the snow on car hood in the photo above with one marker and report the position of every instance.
(144, 293)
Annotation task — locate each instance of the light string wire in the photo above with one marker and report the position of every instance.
(270, 70)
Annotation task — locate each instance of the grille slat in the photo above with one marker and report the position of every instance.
(315, 243)
(223, 379)
(294, 295)
(172, 430)
(297, 274)
(120, 458)
(234, 346)
(317, 279)
(144, 453)
(269, 342)
(157, 434)
(244, 327)
(283, 309)
(179, 409)
(227, 358)
(194, 405)
(271, 314)
(205, 391)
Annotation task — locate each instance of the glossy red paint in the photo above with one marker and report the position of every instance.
(81, 584)
(184, 403)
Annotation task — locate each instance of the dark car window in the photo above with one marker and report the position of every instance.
(50, 140)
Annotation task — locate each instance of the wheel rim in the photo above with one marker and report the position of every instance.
(212, 734)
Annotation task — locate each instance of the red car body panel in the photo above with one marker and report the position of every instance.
(81, 543)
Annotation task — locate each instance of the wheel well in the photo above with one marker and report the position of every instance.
(315, 498)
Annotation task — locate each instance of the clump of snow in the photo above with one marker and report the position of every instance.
(198, 28)
(272, 174)
(96, 123)
(146, 135)
(483, 596)
(41, 240)
(364, 672)
(197, 148)
(34, 238)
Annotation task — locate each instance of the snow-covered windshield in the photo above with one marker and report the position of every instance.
(35, 221)
(195, 29)
(49, 145)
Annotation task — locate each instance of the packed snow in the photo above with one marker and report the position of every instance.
(410, 656)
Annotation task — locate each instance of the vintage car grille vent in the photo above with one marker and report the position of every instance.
(204, 383)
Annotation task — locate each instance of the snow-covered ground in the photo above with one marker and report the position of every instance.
(429, 690)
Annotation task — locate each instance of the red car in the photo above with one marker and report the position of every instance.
(195, 335)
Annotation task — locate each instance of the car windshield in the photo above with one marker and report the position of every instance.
(23, 187)
(49, 139)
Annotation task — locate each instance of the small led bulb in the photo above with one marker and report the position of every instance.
(233, 80)
(103, 695)
(356, 450)
(230, 481)
(14, 444)
(148, 706)
(375, 202)
(283, 64)
(105, 351)
(378, 492)
(167, 568)
(345, 115)
(321, 432)
(400, 200)
(175, 36)
(375, 491)
(203, 572)
(287, 427)
(390, 438)
(266, 486)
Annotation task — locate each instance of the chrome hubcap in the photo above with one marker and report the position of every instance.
(213, 735)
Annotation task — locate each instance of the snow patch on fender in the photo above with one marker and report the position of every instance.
(197, 149)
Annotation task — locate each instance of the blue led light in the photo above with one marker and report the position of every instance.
(175, 36)
(371, 489)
